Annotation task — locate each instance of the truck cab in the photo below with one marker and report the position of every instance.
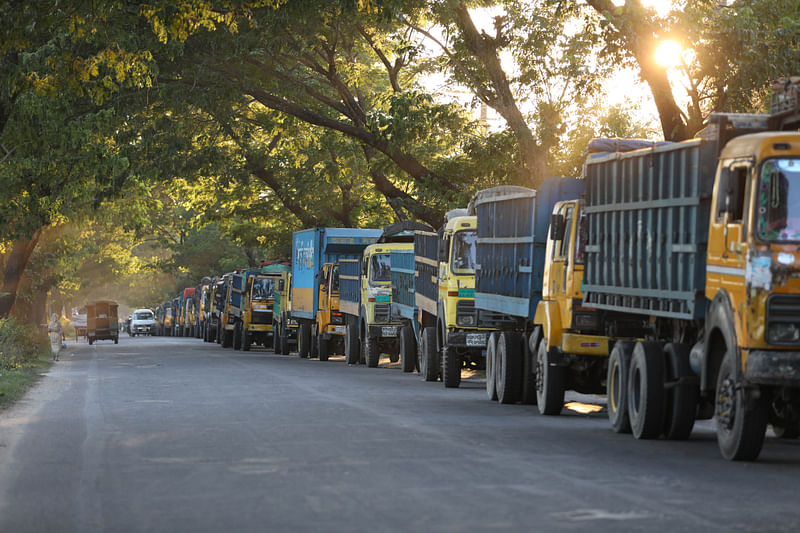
(379, 332)
(284, 326)
(330, 328)
(568, 346)
(257, 307)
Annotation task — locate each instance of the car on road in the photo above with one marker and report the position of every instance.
(143, 322)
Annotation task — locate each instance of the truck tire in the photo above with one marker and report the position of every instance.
(491, 359)
(508, 367)
(284, 341)
(530, 350)
(246, 340)
(227, 338)
(741, 415)
(680, 403)
(371, 353)
(276, 341)
(646, 390)
(237, 336)
(451, 367)
(408, 349)
(784, 418)
(429, 355)
(304, 339)
(619, 362)
(91, 341)
(352, 351)
(322, 348)
(116, 339)
(313, 353)
(550, 382)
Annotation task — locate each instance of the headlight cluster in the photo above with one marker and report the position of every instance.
(783, 332)
(466, 320)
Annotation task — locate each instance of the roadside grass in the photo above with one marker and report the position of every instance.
(15, 383)
(24, 355)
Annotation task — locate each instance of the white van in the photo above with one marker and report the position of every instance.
(142, 322)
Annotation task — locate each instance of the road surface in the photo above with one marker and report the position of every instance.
(169, 434)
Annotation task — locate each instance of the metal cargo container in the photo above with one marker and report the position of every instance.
(647, 214)
(426, 265)
(314, 247)
(402, 268)
(512, 236)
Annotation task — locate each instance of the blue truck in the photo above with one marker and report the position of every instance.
(311, 250)
(513, 227)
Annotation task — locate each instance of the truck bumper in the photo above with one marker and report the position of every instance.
(773, 368)
(383, 331)
(468, 339)
(334, 330)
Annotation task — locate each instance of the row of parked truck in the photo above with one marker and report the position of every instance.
(667, 278)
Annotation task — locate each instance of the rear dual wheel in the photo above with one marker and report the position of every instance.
(508, 367)
(429, 356)
(408, 349)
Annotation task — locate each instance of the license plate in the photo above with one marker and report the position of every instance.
(291, 322)
(476, 339)
(341, 330)
(389, 331)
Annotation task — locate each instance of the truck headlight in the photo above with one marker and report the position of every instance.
(783, 332)
(465, 320)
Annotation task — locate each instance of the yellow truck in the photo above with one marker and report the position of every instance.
(451, 334)
(683, 268)
(330, 326)
(283, 325)
(366, 297)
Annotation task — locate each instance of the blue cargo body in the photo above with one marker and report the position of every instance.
(314, 247)
(512, 236)
(349, 281)
(647, 213)
(402, 267)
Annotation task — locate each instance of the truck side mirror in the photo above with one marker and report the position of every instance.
(364, 264)
(444, 250)
(557, 227)
(319, 277)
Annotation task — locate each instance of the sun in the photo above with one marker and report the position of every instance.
(669, 53)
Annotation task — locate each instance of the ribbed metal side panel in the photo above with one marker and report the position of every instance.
(402, 266)
(647, 214)
(426, 249)
(512, 236)
(349, 284)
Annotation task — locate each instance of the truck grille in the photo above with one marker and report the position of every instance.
(382, 312)
(261, 317)
(493, 319)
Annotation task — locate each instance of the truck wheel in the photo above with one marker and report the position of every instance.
(304, 339)
(246, 340)
(508, 367)
(91, 341)
(116, 339)
(451, 367)
(408, 349)
(352, 351)
(371, 354)
(322, 348)
(491, 351)
(646, 390)
(284, 341)
(429, 356)
(680, 402)
(237, 336)
(550, 380)
(741, 415)
(619, 361)
(530, 350)
(276, 342)
(226, 339)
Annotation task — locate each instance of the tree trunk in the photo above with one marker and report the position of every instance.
(16, 263)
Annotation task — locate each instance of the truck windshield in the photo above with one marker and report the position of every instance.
(143, 315)
(263, 288)
(778, 201)
(464, 246)
(379, 268)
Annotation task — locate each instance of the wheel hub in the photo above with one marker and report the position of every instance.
(726, 404)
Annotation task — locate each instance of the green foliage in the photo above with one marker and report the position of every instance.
(20, 344)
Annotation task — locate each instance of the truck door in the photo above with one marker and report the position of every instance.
(559, 262)
(727, 235)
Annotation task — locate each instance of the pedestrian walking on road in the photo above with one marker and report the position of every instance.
(56, 335)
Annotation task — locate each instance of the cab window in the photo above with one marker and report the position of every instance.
(731, 192)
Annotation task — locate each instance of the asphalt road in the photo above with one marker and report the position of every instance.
(173, 435)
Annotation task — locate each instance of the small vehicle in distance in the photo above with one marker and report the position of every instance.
(102, 321)
(143, 322)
